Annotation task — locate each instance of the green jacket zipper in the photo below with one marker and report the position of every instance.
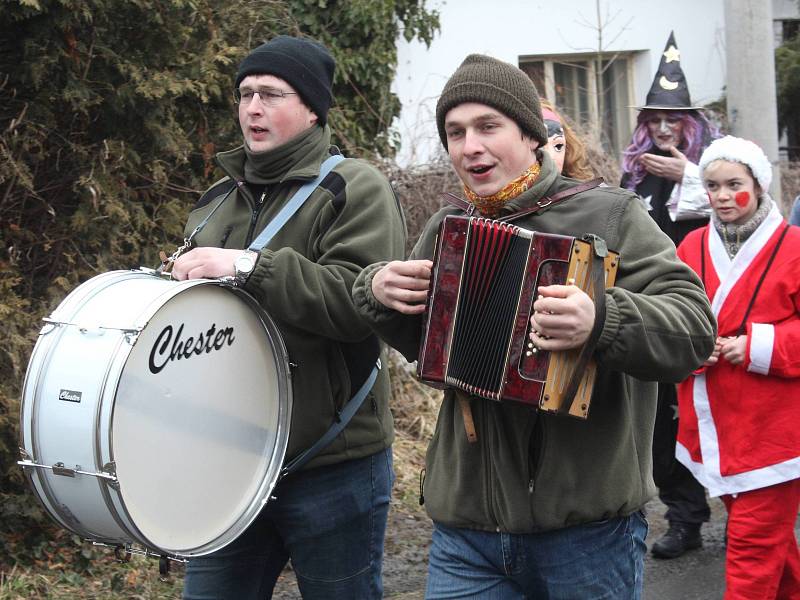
(535, 451)
(257, 211)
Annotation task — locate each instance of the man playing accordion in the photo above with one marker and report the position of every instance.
(512, 506)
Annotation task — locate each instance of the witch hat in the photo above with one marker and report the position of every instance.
(669, 90)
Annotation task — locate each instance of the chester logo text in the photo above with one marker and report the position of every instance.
(69, 395)
(167, 348)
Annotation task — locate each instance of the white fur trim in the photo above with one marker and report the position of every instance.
(718, 485)
(739, 150)
(761, 343)
(709, 444)
(708, 472)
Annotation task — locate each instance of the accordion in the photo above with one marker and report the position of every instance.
(477, 322)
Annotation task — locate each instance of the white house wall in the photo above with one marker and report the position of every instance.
(508, 29)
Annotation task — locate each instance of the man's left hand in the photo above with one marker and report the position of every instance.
(563, 317)
(205, 262)
(669, 167)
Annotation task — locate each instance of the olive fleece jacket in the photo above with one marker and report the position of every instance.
(531, 471)
(303, 278)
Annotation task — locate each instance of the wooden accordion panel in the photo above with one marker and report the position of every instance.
(477, 323)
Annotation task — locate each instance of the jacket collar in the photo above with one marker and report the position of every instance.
(303, 164)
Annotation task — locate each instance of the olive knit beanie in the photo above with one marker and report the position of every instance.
(304, 64)
(489, 81)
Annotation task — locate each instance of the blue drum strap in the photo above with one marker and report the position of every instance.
(342, 419)
(294, 204)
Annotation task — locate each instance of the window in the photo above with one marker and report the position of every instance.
(572, 83)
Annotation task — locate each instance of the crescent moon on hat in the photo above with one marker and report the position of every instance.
(666, 84)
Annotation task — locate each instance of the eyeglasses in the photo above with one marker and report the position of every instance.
(268, 96)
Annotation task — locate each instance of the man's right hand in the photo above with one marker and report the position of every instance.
(403, 285)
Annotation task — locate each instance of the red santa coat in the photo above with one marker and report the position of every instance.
(739, 426)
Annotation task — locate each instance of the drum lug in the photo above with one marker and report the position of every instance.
(163, 566)
(60, 469)
(110, 470)
(123, 553)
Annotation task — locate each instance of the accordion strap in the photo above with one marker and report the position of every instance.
(599, 252)
(459, 203)
(469, 422)
(541, 204)
(548, 201)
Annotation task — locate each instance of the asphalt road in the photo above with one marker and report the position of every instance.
(698, 574)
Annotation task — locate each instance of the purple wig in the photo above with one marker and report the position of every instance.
(697, 133)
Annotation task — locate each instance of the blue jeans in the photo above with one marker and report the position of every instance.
(330, 521)
(594, 561)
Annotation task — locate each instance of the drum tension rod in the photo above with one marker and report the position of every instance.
(124, 552)
(108, 473)
(93, 327)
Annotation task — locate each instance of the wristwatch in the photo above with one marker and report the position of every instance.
(243, 266)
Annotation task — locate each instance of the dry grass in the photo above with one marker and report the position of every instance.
(419, 189)
(604, 164)
(414, 406)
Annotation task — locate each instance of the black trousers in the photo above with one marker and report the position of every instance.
(683, 495)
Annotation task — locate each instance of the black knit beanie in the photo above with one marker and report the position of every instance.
(304, 64)
(489, 81)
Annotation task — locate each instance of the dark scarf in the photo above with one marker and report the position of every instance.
(264, 168)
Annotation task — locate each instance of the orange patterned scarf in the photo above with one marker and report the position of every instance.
(490, 205)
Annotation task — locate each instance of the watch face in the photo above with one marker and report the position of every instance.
(244, 263)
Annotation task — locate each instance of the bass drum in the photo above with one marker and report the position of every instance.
(156, 413)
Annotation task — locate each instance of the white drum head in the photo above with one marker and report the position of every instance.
(200, 420)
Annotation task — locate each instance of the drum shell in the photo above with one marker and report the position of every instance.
(92, 351)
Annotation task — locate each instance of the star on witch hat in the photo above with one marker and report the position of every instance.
(669, 90)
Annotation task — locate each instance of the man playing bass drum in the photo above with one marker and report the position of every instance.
(329, 518)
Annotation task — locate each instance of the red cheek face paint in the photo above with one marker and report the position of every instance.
(742, 198)
(709, 196)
